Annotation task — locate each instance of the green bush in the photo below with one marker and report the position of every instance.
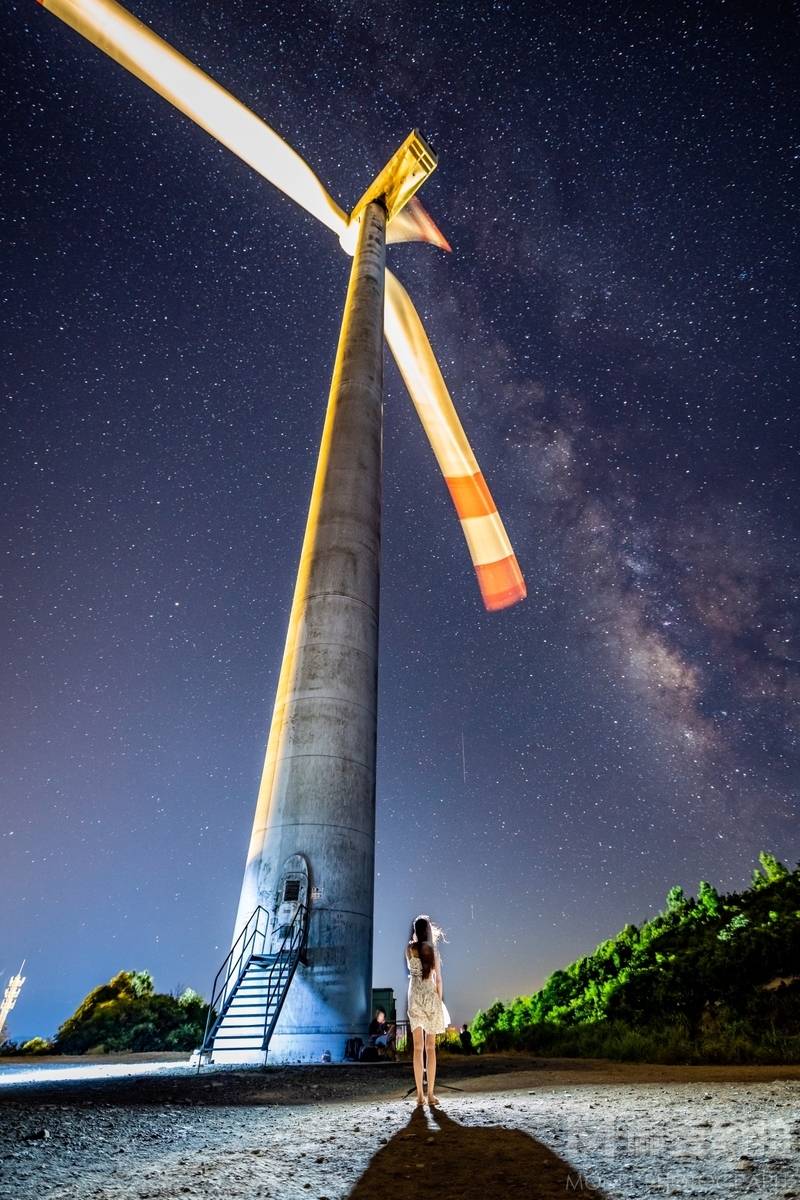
(144, 1036)
(127, 1014)
(185, 1037)
(36, 1045)
(698, 983)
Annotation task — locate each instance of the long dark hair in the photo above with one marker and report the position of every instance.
(424, 934)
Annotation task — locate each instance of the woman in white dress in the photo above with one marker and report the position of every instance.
(427, 1014)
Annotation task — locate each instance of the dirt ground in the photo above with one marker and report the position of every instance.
(539, 1128)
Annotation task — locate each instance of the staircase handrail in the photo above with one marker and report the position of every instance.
(245, 945)
(296, 936)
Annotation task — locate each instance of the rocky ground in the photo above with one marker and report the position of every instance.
(539, 1128)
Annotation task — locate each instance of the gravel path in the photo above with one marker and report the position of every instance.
(540, 1130)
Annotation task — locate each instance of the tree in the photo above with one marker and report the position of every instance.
(773, 870)
(485, 1023)
(701, 981)
(708, 898)
(36, 1045)
(189, 997)
(142, 983)
(128, 1014)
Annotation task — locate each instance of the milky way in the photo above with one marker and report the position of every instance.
(617, 324)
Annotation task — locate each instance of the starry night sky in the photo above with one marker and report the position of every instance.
(618, 327)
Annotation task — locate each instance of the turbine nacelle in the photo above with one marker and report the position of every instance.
(393, 187)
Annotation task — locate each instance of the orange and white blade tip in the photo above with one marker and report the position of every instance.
(501, 583)
(499, 576)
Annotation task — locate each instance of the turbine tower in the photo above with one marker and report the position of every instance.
(10, 997)
(306, 906)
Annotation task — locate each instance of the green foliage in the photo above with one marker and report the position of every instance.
(708, 899)
(696, 983)
(184, 1037)
(36, 1045)
(773, 870)
(740, 921)
(450, 1043)
(142, 983)
(189, 997)
(128, 1014)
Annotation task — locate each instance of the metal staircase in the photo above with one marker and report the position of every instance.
(250, 988)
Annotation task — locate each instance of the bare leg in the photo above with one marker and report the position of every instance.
(430, 1048)
(419, 1044)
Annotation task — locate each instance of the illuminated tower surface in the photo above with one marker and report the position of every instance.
(10, 997)
(315, 817)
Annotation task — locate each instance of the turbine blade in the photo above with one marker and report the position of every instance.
(495, 563)
(415, 224)
(134, 46)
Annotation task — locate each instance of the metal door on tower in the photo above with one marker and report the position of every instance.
(290, 895)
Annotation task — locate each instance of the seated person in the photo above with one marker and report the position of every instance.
(381, 1034)
(466, 1040)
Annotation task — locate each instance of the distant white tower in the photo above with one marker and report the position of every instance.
(10, 997)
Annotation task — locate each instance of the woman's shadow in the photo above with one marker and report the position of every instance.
(457, 1162)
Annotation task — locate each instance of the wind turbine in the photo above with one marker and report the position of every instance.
(10, 997)
(312, 844)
